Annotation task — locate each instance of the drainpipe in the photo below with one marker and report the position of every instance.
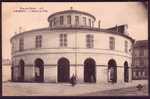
(75, 54)
(99, 24)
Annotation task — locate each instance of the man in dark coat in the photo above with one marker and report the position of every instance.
(73, 80)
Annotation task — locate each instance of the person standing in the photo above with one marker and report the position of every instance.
(73, 80)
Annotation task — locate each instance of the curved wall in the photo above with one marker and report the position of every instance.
(51, 52)
(73, 23)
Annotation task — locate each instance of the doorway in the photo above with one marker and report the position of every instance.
(63, 70)
(39, 70)
(89, 71)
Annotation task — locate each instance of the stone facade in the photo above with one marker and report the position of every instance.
(76, 53)
(140, 60)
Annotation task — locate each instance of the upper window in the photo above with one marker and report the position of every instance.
(21, 44)
(76, 20)
(54, 21)
(126, 47)
(63, 40)
(61, 20)
(50, 24)
(38, 42)
(69, 19)
(89, 41)
(84, 20)
(12, 47)
(112, 43)
(90, 22)
(141, 52)
(142, 62)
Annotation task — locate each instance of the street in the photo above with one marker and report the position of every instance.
(66, 89)
(131, 91)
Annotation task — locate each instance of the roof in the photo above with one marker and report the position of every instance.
(141, 43)
(71, 11)
(120, 28)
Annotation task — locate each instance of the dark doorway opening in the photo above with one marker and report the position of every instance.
(63, 70)
(112, 71)
(39, 70)
(89, 71)
(21, 66)
(126, 72)
(12, 72)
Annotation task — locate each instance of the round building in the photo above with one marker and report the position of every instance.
(71, 45)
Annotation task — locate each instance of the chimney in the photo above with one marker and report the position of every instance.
(20, 29)
(116, 28)
(125, 28)
(99, 24)
(71, 8)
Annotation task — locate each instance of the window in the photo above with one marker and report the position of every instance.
(139, 73)
(63, 40)
(143, 74)
(142, 62)
(13, 47)
(68, 19)
(141, 52)
(61, 20)
(38, 42)
(89, 41)
(126, 47)
(54, 21)
(90, 22)
(76, 20)
(84, 20)
(50, 24)
(112, 43)
(134, 74)
(137, 63)
(21, 44)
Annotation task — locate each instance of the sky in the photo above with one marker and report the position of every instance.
(109, 13)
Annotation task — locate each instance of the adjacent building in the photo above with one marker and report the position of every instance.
(72, 45)
(140, 60)
(6, 69)
(6, 61)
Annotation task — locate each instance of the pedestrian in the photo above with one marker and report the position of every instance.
(73, 80)
(112, 75)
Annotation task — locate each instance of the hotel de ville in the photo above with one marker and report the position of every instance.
(72, 45)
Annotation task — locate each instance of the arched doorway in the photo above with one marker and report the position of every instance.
(112, 71)
(126, 72)
(21, 67)
(89, 70)
(39, 70)
(12, 72)
(63, 70)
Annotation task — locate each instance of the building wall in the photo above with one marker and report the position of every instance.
(6, 72)
(50, 67)
(51, 40)
(51, 52)
(140, 69)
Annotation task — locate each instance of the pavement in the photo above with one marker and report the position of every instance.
(64, 89)
(130, 91)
